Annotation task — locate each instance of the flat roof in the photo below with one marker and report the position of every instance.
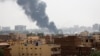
(2, 44)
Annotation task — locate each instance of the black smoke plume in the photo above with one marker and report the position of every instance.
(35, 9)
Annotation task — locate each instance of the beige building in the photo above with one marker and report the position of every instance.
(96, 37)
(31, 39)
(34, 46)
(85, 33)
(87, 42)
(96, 43)
(18, 36)
(32, 50)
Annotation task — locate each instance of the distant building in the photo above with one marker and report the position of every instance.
(6, 29)
(20, 27)
(0, 28)
(96, 27)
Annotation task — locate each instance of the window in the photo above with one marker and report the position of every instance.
(35, 54)
(21, 43)
(82, 40)
(40, 54)
(31, 54)
(19, 54)
(27, 54)
(35, 48)
(86, 40)
(54, 49)
(91, 40)
(54, 55)
(59, 48)
(23, 54)
(26, 48)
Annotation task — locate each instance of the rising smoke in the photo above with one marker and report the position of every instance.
(35, 9)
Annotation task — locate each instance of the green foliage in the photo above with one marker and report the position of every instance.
(95, 53)
(31, 34)
(1, 52)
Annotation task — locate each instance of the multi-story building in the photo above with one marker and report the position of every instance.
(72, 46)
(6, 29)
(5, 37)
(87, 41)
(4, 49)
(13, 36)
(20, 27)
(85, 33)
(25, 49)
(34, 46)
(18, 36)
(68, 41)
(96, 38)
(49, 39)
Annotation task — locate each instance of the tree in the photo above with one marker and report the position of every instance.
(95, 53)
(1, 52)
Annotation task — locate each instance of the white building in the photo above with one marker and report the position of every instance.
(20, 27)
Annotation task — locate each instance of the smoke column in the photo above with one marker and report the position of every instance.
(35, 9)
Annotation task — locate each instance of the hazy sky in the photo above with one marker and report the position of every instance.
(65, 13)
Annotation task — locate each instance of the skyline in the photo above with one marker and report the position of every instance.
(75, 26)
(82, 13)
